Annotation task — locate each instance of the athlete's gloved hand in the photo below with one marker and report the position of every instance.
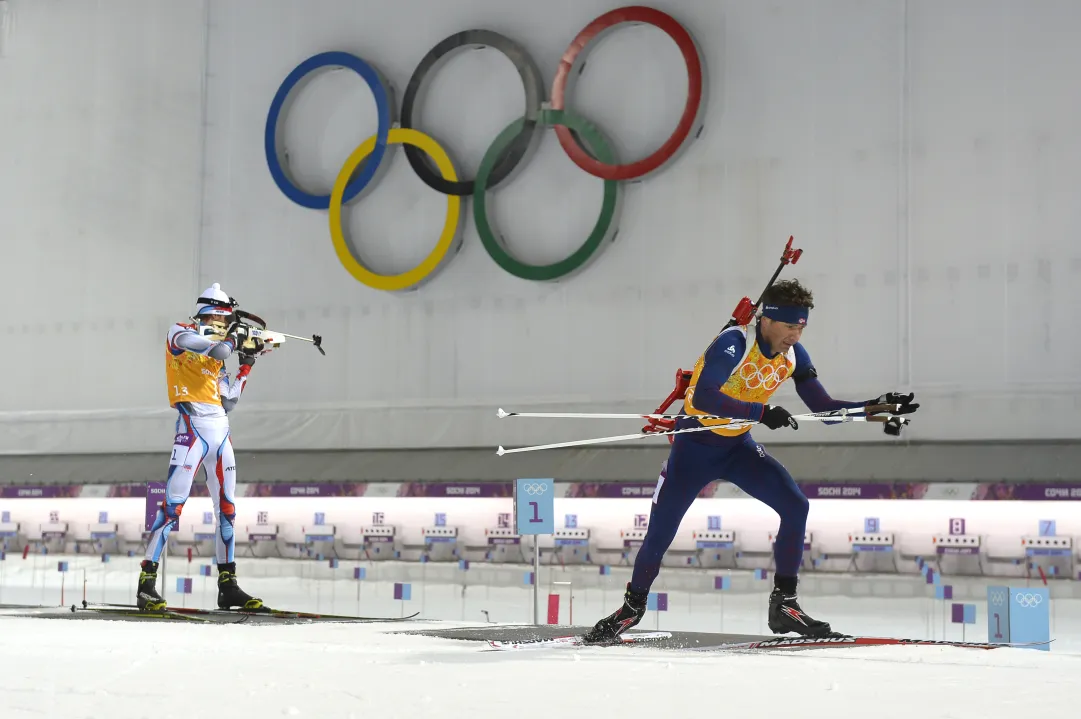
(905, 400)
(247, 356)
(238, 332)
(776, 417)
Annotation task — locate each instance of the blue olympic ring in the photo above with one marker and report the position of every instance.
(371, 165)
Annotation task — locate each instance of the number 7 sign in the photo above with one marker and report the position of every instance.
(534, 506)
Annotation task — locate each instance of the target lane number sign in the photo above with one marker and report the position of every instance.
(534, 506)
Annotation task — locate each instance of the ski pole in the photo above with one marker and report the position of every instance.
(831, 414)
(835, 416)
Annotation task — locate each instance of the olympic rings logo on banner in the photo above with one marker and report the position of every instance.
(998, 599)
(767, 376)
(534, 489)
(1027, 601)
(583, 142)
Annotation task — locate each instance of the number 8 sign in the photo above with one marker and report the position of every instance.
(534, 506)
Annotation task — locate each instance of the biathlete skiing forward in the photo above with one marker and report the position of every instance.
(201, 393)
(735, 378)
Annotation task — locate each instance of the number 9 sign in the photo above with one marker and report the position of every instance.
(534, 506)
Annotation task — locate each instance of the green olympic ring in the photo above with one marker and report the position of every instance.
(603, 230)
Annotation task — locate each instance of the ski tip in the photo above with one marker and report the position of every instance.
(500, 452)
(501, 413)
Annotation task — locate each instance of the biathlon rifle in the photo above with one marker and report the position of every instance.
(742, 315)
(745, 311)
(257, 330)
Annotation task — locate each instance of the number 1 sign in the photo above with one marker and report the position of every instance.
(534, 506)
(534, 513)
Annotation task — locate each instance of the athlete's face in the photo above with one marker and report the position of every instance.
(781, 336)
(217, 322)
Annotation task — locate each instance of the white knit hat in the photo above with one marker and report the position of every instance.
(214, 302)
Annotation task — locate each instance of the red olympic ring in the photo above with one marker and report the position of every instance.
(687, 46)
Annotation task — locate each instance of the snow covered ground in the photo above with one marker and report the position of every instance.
(122, 670)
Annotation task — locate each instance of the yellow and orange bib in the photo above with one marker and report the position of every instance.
(755, 379)
(189, 376)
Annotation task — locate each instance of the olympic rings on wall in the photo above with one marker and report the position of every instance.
(583, 142)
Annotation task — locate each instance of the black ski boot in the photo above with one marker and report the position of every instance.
(785, 614)
(229, 592)
(146, 596)
(609, 628)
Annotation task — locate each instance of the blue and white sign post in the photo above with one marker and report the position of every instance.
(534, 513)
(1019, 615)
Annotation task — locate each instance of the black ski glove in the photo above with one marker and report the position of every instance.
(238, 333)
(776, 417)
(247, 357)
(893, 426)
(905, 400)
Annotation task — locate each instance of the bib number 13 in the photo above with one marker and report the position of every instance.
(180, 391)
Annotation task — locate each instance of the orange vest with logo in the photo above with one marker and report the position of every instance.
(189, 376)
(755, 379)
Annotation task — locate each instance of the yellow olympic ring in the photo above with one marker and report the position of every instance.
(449, 238)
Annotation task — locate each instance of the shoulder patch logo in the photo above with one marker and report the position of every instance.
(731, 351)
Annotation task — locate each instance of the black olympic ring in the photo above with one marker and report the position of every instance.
(524, 142)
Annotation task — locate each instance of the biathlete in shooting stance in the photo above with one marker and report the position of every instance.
(735, 378)
(200, 390)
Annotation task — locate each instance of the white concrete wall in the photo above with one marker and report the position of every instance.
(923, 154)
(101, 155)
